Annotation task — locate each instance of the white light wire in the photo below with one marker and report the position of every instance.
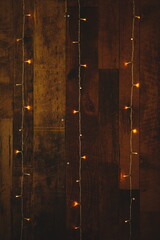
(131, 118)
(22, 119)
(79, 114)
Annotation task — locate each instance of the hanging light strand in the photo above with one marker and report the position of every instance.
(22, 123)
(132, 131)
(80, 123)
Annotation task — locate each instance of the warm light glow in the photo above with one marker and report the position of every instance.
(136, 85)
(27, 219)
(28, 107)
(29, 61)
(126, 107)
(127, 221)
(75, 42)
(132, 39)
(17, 151)
(75, 111)
(75, 204)
(138, 17)
(18, 196)
(126, 63)
(84, 65)
(83, 19)
(67, 163)
(20, 130)
(18, 39)
(28, 15)
(135, 153)
(26, 174)
(133, 199)
(18, 84)
(84, 157)
(77, 181)
(134, 130)
(75, 227)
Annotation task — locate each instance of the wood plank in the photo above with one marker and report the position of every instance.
(149, 120)
(108, 42)
(49, 117)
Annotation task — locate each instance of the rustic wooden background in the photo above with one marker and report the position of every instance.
(51, 130)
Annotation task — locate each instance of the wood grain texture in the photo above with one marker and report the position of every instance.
(149, 119)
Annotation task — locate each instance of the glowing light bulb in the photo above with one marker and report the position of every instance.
(18, 196)
(68, 163)
(75, 42)
(28, 219)
(138, 17)
(84, 157)
(127, 221)
(133, 199)
(18, 39)
(135, 153)
(132, 38)
(127, 63)
(77, 181)
(29, 61)
(18, 84)
(75, 204)
(75, 111)
(75, 227)
(28, 107)
(125, 175)
(83, 19)
(18, 151)
(134, 130)
(28, 15)
(26, 174)
(126, 107)
(84, 65)
(136, 85)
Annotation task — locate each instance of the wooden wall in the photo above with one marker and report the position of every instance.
(51, 129)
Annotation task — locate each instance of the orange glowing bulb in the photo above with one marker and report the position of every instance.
(18, 39)
(75, 111)
(29, 61)
(27, 219)
(126, 107)
(137, 85)
(75, 204)
(28, 107)
(134, 130)
(28, 15)
(84, 157)
(126, 63)
(75, 42)
(83, 19)
(17, 151)
(18, 196)
(84, 65)
(138, 17)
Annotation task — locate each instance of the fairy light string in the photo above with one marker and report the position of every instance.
(132, 131)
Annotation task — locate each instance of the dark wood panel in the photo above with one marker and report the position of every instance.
(108, 41)
(149, 119)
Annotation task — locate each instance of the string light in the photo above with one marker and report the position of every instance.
(18, 196)
(83, 65)
(75, 111)
(127, 63)
(136, 85)
(127, 221)
(75, 204)
(18, 39)
(138, 17)
(125, 175)
(29, 61)
(18, 84)
(27, 219)
(83, 19)
(135, 153)
(68, 163)
(126, 107)
(18, 151)
(134, 130)
(28, 107)
(75, 42)
(75, 227)
(77, 181)
(26, 174)
(84, 157)
(28, 15)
